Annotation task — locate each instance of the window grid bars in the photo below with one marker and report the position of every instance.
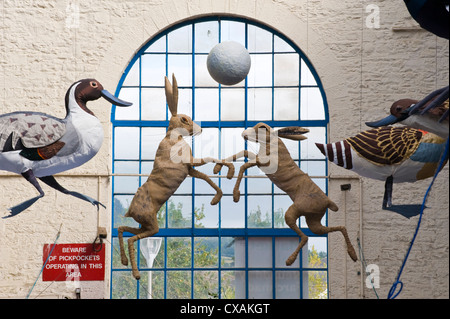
(245, 124)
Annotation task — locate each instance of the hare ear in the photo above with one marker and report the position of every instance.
(172, 95)
(293, 133)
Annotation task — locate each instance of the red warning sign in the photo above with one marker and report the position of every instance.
(74, 262)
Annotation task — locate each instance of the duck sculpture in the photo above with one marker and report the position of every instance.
(390, 154)
(37, 145)
(429, 114)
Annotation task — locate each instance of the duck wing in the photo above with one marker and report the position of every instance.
(29, 130)
(386, 145)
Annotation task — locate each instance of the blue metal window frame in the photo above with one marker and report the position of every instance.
(219, 232)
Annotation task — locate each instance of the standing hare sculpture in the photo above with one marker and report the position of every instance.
(173, 163)
(275, 161)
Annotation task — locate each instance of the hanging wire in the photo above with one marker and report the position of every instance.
(363, 262)
(46, 261)
(392, 292)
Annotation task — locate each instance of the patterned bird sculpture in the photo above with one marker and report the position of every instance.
(430, 114)
(391, 154)
(37, 145)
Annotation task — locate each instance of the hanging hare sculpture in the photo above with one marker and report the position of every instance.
(173, 163)
(275, 161)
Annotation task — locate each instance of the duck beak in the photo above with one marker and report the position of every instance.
(391, 119)
(114, 100)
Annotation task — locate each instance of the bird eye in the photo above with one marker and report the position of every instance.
(94, 84)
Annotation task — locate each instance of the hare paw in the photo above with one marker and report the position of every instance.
(217, 168)
(230, 171)
(216, 198)
(236, 195)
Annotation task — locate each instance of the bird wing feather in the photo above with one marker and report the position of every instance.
(21, 130)
(386, 145)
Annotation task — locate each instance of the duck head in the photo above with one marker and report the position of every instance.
(399, 112)
(86, 90)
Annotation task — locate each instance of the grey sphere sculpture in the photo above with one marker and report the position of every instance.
(228, 63)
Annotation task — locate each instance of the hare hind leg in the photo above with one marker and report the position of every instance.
(317, 228)
(141, 235)
(121, 230)
(291, 218)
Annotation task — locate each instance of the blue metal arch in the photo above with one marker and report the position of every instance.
(221, 232)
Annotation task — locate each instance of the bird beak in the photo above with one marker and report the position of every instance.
(114, 100)
(391, 119)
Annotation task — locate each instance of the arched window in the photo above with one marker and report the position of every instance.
(232, 250)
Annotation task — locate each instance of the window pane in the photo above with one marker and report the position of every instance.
(312, 99)
(259, 104)
(184, 103)
(314, 168)
(206, 252)
(286, 104)
(155, 290)
(146, 168)
(309, 150)
(227, 185)
(153, 106)
(180, 40)
(307, 77)
(121, 205)
(158, 46)
(261, 71)
(202, 76)
(287, 284)
(185, 188)
(233, 214)
(315, 285)
(233, 252)
(286, 69)
(125, 285)
(206, 285)
(202, 187)
(233, 31)
(130, 112)
(206, 144)
(206, 36)
(206, 215)
(317, 253)
(231, 141)
(259, 211)
(259, 40)
(179, 285)
(233, 105)
(260, 285)
(258, 185)
(126, 184)
(179, 252)
(181, 66)
(284, 247)
(281, 45)
(153, 69)
(132, 78)
(293, 148)
(126, 143)
(260, 252)
(233, 285)
(151, 137)
(180, 212)
(281, 203)
(206, 105)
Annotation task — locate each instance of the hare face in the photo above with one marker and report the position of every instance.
(184, 125)
(260, 133)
